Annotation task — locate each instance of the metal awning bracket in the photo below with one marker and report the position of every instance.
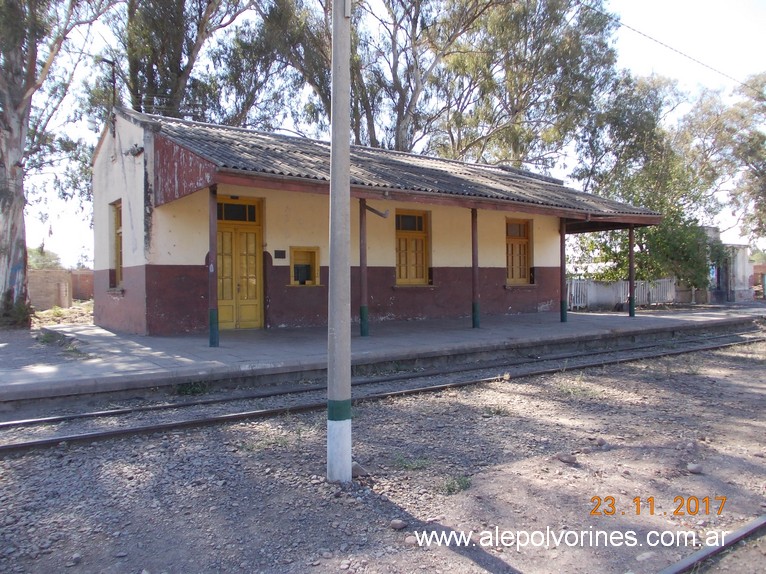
(383, 214)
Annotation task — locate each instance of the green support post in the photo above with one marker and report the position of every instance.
(631, 271)
(214, 333)
(211, 263)
(364, 321)
(563, 268)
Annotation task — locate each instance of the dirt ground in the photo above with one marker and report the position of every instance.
(21, 348)
(612, 463)
(80, 313)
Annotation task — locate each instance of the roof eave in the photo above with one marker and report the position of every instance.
(612, 223)
(589, 220)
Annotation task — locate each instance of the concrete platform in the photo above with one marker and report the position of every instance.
(116, 362)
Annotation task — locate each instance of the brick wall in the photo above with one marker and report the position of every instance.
(50, 288)
(82, 284)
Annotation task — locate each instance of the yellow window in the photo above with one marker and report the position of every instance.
(232, 210)
(412, 246)
(304, 266)
(116, 279)
(517, 251)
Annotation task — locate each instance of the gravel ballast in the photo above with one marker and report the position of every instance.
(530, 454)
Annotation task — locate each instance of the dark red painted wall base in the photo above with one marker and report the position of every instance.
(176, 299)
(172, 299)
(153, 300)
(120, 309)
(449, 296)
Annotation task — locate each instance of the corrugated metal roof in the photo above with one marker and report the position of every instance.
(250, 151)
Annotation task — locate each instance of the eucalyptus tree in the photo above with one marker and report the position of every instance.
(520, 85)
(300, 37)
(247, 85)
(633, 151)
(398, 47)
(747, 129)
(414, 39)
(35, 36)
(157, 51)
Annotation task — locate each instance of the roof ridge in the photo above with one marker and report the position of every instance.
(280, 155)
(521, 172)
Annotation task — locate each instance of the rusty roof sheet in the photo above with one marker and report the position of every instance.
(250, 151)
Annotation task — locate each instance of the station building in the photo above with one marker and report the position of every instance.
(197, 223)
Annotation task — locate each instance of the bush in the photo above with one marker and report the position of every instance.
(17, 314)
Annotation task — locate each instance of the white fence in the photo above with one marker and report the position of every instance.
(584, 293)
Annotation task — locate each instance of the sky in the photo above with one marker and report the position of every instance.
(727, 36)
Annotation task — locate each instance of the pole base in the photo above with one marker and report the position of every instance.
(339, 451)
(214, 332)
(364, 321)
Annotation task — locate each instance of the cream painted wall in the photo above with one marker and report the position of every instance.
(546, 240)
(180, 231)
(117, 176)
(301, 220)
(451, 236)
(290, 220)
(180, 234)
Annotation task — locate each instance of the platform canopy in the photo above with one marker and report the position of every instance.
(190, 156)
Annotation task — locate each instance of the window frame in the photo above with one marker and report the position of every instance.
(117, 275)
(408, 236)
(251, 207)
(525, 276)
(315, 262)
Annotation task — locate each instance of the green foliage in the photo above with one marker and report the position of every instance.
(47, 338)
(300, 39)
(678, 247)
(629, 154)
(158, 48)
(747, 130)
(193, 388)
(15, 313)
(247, 86)
(521, 85)
(38, 61)
(758, 256)
(74, 180)
(397, 50)
(456, 484)
(41, 258)
(408, 463)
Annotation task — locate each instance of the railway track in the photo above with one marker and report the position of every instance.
(18, 436)
(693, 563)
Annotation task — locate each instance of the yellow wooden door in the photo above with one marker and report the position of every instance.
(248, 279)
(227, 305)
(239, 278)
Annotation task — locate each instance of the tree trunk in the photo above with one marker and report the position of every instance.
(14, 308)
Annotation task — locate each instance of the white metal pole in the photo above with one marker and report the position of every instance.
(339, 303)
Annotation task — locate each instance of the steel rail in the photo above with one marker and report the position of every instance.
(700, 556)
(297, 389)
(320, 405)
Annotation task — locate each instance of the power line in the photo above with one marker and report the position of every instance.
(669, 47)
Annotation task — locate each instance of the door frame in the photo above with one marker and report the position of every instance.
(236, 227)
